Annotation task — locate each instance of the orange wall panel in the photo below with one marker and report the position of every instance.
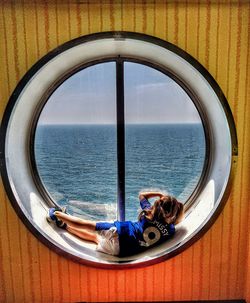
(216, 33)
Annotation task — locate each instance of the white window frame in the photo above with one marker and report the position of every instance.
(25, 105)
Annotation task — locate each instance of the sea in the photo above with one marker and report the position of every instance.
(77, 165)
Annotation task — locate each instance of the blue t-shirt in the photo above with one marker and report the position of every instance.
(135, 237)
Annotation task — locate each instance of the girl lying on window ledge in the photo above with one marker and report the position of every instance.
(155, 225)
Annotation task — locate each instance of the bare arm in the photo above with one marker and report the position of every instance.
(149, 195)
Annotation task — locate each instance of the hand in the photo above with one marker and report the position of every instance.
(149, 195)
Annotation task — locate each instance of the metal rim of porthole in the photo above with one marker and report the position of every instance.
(23, 186)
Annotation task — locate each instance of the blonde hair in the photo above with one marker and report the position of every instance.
(167, 209)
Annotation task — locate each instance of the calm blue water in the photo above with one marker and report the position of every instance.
(77, 164)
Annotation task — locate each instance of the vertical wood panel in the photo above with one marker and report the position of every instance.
(196, 269)
(138, 17)
(202, 34)
(52, 25)
(192, 29)
(171, 22)
(74, 282)
(182, 25)
(207, 34)
(233, 236)
(104, 21)
(247, 158)
(117, 8)
(6, 276)
(128, 16)
(62, 22)
(186, 272)
(4, 75)
(9, 47)
(247, 151)
(160, 17)
(2, 279)
(215, 259)
(176, 23)
(242, 197)
(177, 278)
(215, 33)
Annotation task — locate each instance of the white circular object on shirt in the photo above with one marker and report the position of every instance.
(151, 235)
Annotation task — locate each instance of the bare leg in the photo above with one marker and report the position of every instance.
(78, 221)
(83, 234)
(77, 225)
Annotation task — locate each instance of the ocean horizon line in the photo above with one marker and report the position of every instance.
(114, 124)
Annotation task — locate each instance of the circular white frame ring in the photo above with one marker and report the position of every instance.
(29, 97)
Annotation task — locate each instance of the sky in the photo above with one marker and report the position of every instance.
(89, 97)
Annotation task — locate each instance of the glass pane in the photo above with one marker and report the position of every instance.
(75, 143)
(165, 141)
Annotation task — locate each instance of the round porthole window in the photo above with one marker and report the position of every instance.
(108, 115)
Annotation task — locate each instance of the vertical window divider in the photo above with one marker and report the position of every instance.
(120, 139)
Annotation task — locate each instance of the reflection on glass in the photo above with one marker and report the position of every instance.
(75, 143)
(165, 141)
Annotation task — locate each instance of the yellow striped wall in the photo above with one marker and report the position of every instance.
(217, 266)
